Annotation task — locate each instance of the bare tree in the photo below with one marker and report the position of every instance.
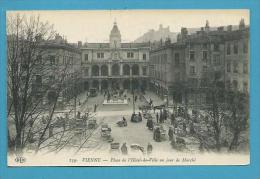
(24, 45)
(237, 122)
(210, 137)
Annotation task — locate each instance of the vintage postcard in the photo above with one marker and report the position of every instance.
(128, 87)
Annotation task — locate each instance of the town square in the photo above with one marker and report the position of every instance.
(162, 93)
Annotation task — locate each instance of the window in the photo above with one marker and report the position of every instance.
(71, 60)
(38, 79)
(86, 72)
(144, 71)
(204, 68)
(245, 86)
(57, 60)
(115, 55)
(177, 59)
(205, 55)
(192, 70)
(144, 56)
(235, 68)
(228, 67)
(177, 77)
(64, 60)
(100, 55)
(228, 84)
(115, 43)
(245, 68)
(235, 84)
(86, 57)
(235, 48)
(130, 55)
(216, 60)
(228, 49)
(245, 47)
(192, 56)
(52, 59)
(216, 47)
(164, 58)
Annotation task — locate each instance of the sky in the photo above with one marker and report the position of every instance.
(95, 25)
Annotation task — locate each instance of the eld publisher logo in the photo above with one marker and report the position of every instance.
(20, 160)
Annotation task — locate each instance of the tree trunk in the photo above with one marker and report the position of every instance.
(18, 142)
(234, 142)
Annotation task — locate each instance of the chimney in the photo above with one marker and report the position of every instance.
(229, 28)
(221, 28)
(242, 24)
(207, 26)
(184, 31)
(201, 31)
(79, 44)
(168, 41)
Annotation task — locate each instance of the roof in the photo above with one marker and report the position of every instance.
(123, 45)
(115, 30)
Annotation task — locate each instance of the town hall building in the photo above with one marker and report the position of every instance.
(115, 65)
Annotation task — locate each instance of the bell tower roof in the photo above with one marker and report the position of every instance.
(115, 30)
(115, 37)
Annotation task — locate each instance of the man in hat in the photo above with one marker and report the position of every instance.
(124, 149)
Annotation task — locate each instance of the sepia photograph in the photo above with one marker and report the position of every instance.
(128, 87)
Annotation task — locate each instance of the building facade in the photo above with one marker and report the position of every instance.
(58, 63)
(237, 59)
(167, 70)
(221, 54)
(115, 65)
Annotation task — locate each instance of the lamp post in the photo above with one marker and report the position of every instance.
(133, 96)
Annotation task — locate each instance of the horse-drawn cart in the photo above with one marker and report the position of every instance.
(106, 132)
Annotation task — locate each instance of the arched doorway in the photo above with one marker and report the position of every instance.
(126, 69)
(115, 69)
(135, 69)
(135, 84)
(95, 70)
(126, 84)
(86, 85)
(104, 70)
(143, 85)
(95, 84)
(115, 84)
(104, 84)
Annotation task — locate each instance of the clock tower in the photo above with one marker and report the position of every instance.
(115, 37)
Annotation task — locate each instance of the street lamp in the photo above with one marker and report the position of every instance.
(133, 96)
